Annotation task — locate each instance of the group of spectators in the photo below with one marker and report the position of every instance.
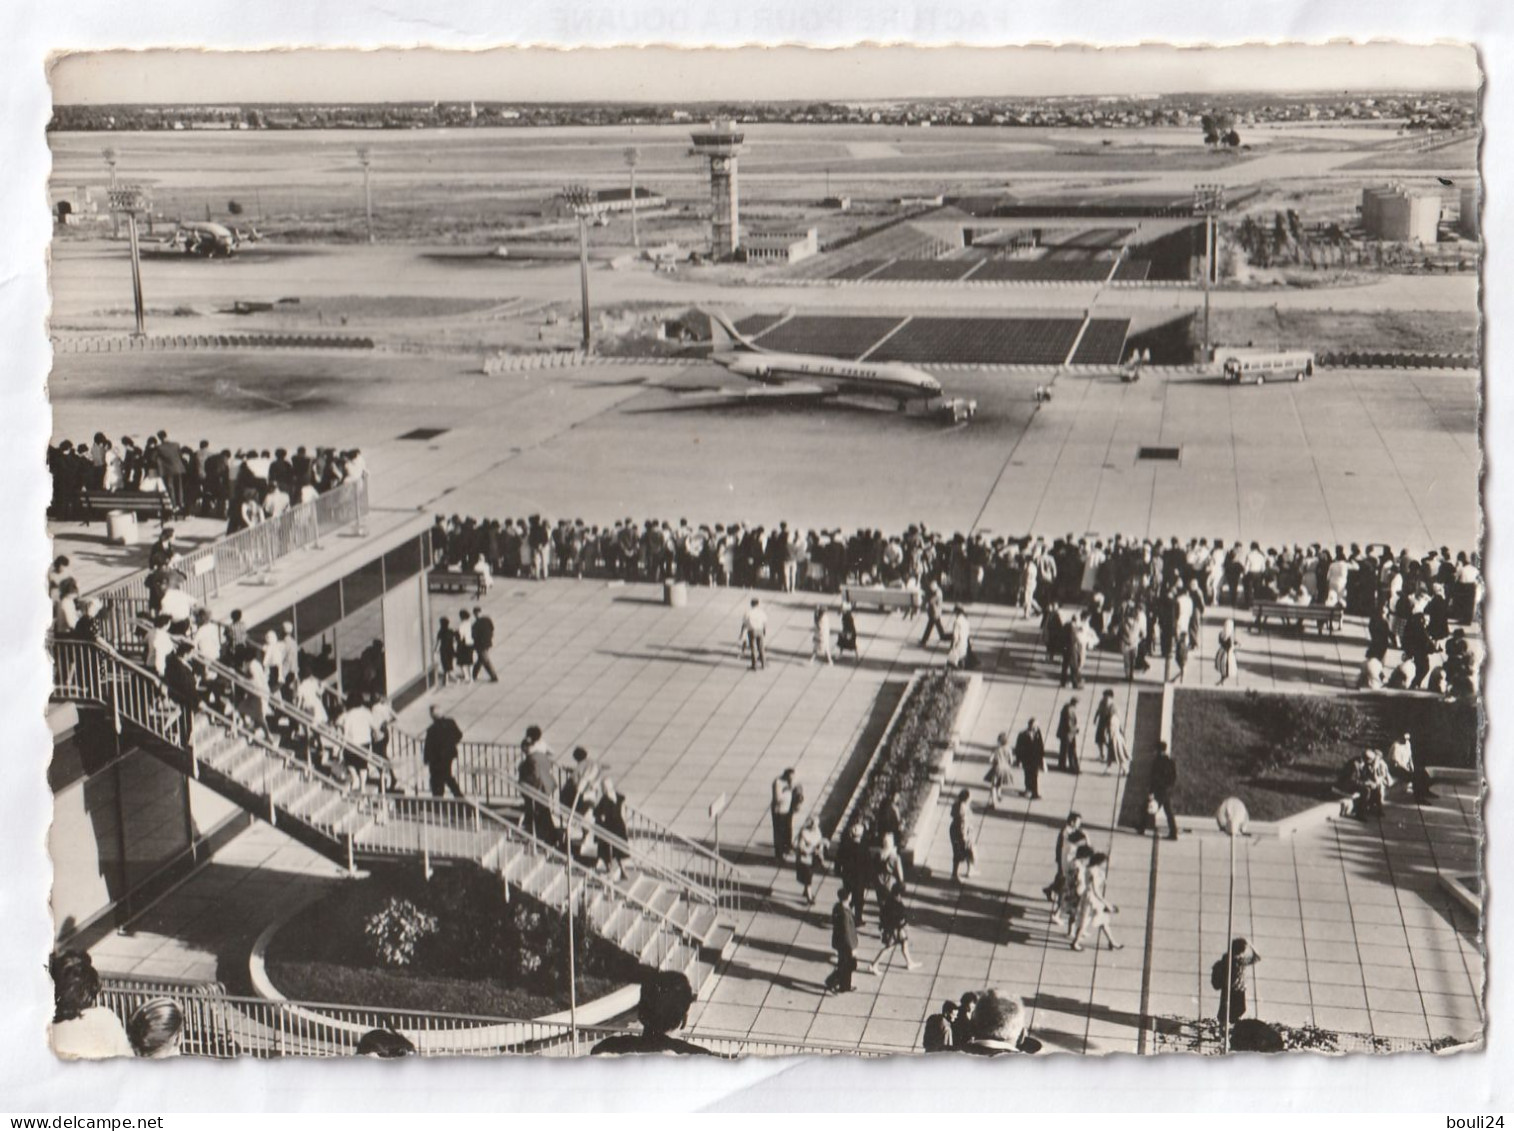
(83, 1029)
(982, 1023)
(1143, 598)
(241, 486)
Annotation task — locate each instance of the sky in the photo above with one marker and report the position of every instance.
(666, 74)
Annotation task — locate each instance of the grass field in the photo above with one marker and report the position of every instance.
(1228, 744)
(1323, 330)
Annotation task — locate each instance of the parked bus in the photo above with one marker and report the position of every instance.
(1261, 366)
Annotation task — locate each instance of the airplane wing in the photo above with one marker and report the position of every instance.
(785, 392)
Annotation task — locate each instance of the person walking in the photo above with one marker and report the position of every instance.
(1132, 634)
(933, 602)
(889, 870)
(1069, 836)
(1228, 976)
(1095, 910)
(1224, 655)
(1075, 641)
(754, 632)
(1067, 739)
(610, 818)
(1119, 746)
(1030, 756)
(483, 642)
(1102, 715)
(445, 650)
(439, 752)
(964, 852)
(821, 649)
(1164, 778)
(787, 797)
(1000, 769)
(853, 868)
(893, 924)
(959, 655)
(809, 856)
(844, 942)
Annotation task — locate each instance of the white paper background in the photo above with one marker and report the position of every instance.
(31, 1080)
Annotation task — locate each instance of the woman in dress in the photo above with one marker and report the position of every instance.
(821, 649)
(1095, 909)
(963, 852)
(961, 645)
(610, 817)
(1224, 656)
(446, 649)
(893, 924)
(809, 856)
(1119, 746)
(1000, 769)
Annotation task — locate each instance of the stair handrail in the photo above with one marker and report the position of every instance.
(407, 747)
(727, 879)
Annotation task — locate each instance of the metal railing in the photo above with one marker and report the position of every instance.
(657, 859)
(248, 553)
(219, 1025)
(489, 771)
(381, 824)
(89, 671)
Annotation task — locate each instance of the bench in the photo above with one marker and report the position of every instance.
(1330, 617)
(96, 503)
(883, 597)
(454, 581)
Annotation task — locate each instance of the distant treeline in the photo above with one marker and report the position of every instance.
(1420, 111)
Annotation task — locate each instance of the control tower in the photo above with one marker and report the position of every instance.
(720, 144)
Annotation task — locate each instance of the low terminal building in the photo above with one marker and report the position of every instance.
(620, 200)
(780, 246)
(1400, 214)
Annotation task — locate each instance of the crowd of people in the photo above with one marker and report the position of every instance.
(1144, 599)
(981, 1023)
(241, 486)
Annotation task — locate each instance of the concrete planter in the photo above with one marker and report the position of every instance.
(917, 840)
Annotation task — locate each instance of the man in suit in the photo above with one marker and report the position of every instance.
(1067, 738)
(1164, 778)
(854, 869)
(1030, 756)
(844, 941)
(171, 469)
(483, 640)
(938, 1028)
(440, 752)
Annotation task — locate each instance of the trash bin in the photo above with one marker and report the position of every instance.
(121, 527)
(675, 594)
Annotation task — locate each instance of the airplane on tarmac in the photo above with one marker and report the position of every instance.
(206, 239)
(791, 375)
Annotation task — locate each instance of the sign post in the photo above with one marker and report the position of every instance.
(1233, 820)
(717, 807)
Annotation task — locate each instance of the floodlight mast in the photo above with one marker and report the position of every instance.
(1209, 202)
(584, 202)
(633, 158)
(365, 158)
(131, 200)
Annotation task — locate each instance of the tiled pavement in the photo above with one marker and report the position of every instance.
(1354, 931)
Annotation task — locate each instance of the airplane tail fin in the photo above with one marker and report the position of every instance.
(725, 336)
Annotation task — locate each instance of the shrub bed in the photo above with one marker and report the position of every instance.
(450, 945)
(1281, 754)
(912, 750)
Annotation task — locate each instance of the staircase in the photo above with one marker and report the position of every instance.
(695, 888)
(278, 775)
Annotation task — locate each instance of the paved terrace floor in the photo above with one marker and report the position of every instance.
(1354, 930)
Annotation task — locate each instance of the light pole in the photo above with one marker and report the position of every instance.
(633, 157)
(131, 200)
(1208, 201)
(585, 202)
(365, 158)
(115, 220)
(1233, 819)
